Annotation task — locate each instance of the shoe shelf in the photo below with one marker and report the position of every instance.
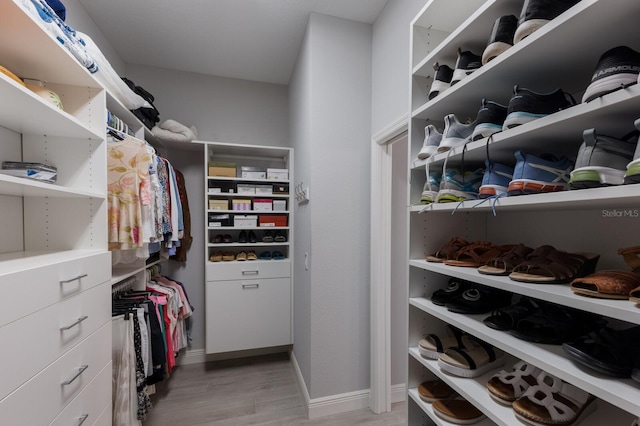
(428, 409)
(236, 195)
(557, 293)
(541, 62)
(243, 180)
(257, 228)
(561, 132)
(622, 393)
(620, 197)
(248, 245)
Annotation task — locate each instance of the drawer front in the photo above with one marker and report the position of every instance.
(221, 271)
(104, 419)
(247, 314)
(87, 407)
(34, 289)
(42, 398)
(40, 337)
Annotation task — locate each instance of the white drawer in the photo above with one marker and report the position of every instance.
(42, 398)
(39, 339)
(222, 271)
(105, 418)
(33, 289)
(247, 314)
(87, 407)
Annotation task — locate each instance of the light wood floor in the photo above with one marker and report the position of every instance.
(253, 391)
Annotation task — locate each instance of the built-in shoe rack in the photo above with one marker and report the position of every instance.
(561, 54)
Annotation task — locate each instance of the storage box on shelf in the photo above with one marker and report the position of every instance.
(253, 295)
(54, 263)
(575, 221)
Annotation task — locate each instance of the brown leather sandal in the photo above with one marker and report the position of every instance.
(448, 252)
(607, 284)
(631, 256)
(546, 265)
(504, 264)
(477, 254)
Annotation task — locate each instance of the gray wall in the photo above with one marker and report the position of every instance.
(333, 85)
(390, 102)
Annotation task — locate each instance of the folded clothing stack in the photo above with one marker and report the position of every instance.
(36, 171)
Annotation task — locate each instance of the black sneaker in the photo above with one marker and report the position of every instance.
(527, 105)
(490, 119)
(536, 13)
(501, 37)
(242, 237)
(617, 68)
(252, 237)
(441, 81)
(467, 63)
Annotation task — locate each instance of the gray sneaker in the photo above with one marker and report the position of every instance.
(432, 139)
(602, 160)
(633, 168)
(455, 134)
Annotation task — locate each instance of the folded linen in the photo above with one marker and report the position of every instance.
(173, 131)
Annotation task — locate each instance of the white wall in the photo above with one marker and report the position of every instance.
(390, 62)
(332, 84)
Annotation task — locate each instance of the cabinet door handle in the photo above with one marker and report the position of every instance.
(250, 272)
(70, 280)
(248, 286)
(71, 380)
(82, 418)
(70, 326)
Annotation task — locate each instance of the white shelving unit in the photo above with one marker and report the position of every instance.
(248, 303)
(54, 263)
(599, 220)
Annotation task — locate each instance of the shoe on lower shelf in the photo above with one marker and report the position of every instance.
(475, 359)
(507, 386)
(228, 256)
(434, 390)
(526, 105)
(632, 175)
(602, 160)
(456, 187)
(496, 179)
(490, 119)
(431, 188)
(539, 174)
(457, 411)
(216, 257)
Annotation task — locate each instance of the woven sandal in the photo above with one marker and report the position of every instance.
(546, 265)
(507, 386)
(433, 345)
(553, 402)
(449, 251)
(477, 254)
(504, 264)
(607, 284)
(433, 390)
(475, 359)
(631, 256)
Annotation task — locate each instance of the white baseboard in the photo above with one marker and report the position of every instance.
(197, 356)
(398, 393)
(333, 404)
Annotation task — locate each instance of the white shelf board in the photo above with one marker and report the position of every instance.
(24, 260)
(243, 180)
(623, 393)
(611, 197)
(248, 212)
(245, 262)
(20, 106)
(428, 409)
(444, 15)
(119, 110)
(556, 293)
(47, 60)
(257, 228)
(236, 195)
(23, 187)
(570, 69)
(120, 273)
(249, 245)
(242, 150)
(473, 390)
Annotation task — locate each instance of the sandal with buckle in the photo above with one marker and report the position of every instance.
(507, 386)
(432, 345)
(472, 360)
(448, 252)
(546, 265)
(479, 299)
(504, 264)
(505, 319)
(477, 254)
(553, 402)
(455, 287)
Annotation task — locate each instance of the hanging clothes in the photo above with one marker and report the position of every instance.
(187, 239)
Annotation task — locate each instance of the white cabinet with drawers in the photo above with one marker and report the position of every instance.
(248, 302)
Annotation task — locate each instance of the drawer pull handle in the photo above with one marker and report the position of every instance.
(70, 326)
(71, 380)
(70, 280)
(250, 272)
(82, 419)
(246, 286)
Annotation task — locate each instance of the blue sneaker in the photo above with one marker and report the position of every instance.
(496, 179)
(455, 187)
(431, 188)
(534, 175)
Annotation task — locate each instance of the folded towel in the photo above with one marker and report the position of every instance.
(172, 131)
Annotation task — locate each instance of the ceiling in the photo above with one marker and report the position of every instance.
(254, 40)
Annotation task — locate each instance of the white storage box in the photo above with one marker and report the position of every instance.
(280, 205)
(245, 221)
(246, 189)
(277, 174)
(262, 205)
(264, 189)
(252, 172)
